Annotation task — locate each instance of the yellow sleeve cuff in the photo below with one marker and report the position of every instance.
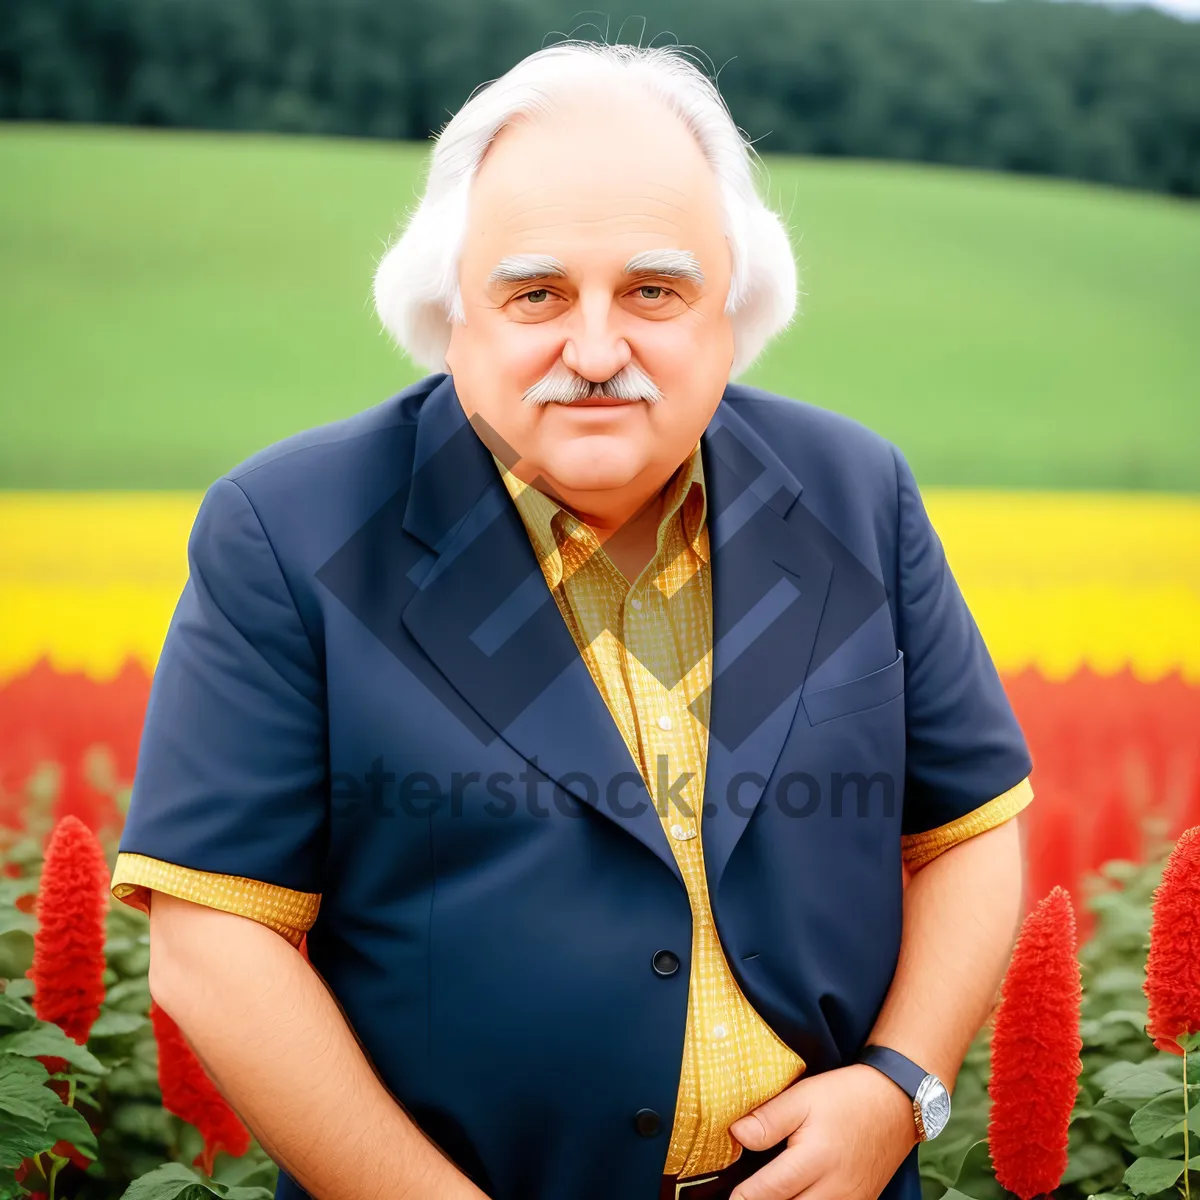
(290, 914)
(919, 848)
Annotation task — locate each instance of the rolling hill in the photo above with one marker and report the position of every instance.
(172, 301)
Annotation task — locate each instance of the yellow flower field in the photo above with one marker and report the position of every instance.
(1056, 580)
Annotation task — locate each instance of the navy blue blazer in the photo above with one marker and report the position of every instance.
(367, 691)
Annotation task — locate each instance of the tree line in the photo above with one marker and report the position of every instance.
(1066, 89)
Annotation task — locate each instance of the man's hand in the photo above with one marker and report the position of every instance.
(848, 1130)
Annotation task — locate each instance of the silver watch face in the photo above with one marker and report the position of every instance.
(934, 1103)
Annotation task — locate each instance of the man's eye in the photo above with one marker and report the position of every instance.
(651, 291)
(537, 295)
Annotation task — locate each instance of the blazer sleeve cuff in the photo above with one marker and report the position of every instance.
(918, 849)
(289, 913)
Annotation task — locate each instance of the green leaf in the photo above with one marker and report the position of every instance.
(1146, 1176)
(246, 1172)
(49, 1039)
(1090, 1160)
(1143, 1084)
(68, 1124)
(14, 919)
(113, 1023)
(1127, 1016)
(133, 992)
(1114, 1072)
(20, 1140)
(1189, 1041)
(10, 1189)
(34, 1116)
(19, 989)
(29, 1110)
(145, 1121)
(15, 1013)
(1109, 1126)
(174, 1181)
(1115, 980)
(26, 1068)
(22, 1092)
(1158, 1117)
(976, 1175)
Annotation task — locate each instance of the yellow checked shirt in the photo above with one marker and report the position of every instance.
(732, 1060)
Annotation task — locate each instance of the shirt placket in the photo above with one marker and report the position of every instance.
(670, 749)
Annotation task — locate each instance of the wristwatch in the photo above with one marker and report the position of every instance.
(930, 1100)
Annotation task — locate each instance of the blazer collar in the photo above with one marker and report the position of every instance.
(482, 613)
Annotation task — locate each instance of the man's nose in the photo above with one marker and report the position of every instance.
(595, 348)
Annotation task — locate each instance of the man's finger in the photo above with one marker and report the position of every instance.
(770, 1123)
(784, 1177)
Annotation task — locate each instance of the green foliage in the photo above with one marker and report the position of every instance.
(1126, 1137)
(1126, 1134)
(1062, 89)
(174, 1182)
(1003, 332)
(107, 1104)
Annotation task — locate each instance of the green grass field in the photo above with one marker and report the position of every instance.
(172, 301)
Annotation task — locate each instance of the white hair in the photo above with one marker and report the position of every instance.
(416, 282)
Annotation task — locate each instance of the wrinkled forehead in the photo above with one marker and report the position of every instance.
(613, 181)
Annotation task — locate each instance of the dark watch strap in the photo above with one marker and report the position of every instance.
(900, 1070)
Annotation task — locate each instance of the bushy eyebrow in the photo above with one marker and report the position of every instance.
(673, 264)
(525, 268)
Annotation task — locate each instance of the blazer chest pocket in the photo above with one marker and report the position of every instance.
(855, 695)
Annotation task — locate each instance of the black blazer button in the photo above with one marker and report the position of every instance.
(647, 1122)
(665, 963)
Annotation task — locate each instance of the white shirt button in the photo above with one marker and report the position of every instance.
(635, 603)
(719, 1031)
(664, 722)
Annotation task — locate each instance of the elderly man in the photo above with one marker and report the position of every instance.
(586, 710)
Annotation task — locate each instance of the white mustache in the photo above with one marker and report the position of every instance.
(560, 385)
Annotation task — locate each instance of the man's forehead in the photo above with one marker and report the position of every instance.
(668, 262)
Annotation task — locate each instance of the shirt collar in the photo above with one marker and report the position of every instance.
(546, 520)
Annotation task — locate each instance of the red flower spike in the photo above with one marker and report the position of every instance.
(1173, 966)
(189, 1093)
(1035, 1052)
(68, 946)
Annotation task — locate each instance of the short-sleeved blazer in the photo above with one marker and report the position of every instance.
(368, 696)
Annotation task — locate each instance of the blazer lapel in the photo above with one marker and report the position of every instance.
(771, 578)
(483, 614)
(447, 565)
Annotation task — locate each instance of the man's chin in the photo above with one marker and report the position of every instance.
(595, 464)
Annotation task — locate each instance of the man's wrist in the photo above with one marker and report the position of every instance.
(892, 1099)
(928, 1096)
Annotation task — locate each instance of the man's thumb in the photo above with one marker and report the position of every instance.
(751, 1132)
(770, 1123)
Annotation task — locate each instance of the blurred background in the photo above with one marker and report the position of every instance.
(994, 211)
